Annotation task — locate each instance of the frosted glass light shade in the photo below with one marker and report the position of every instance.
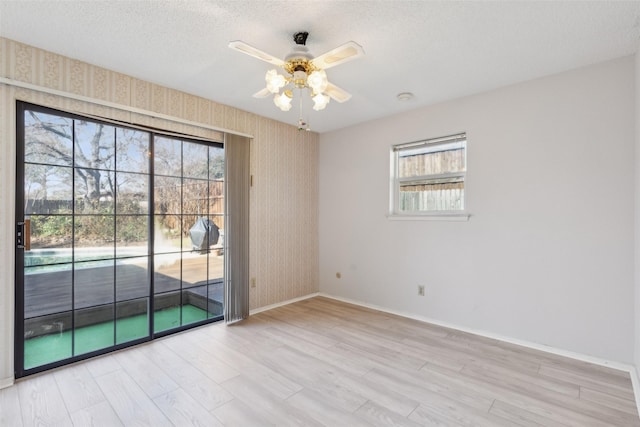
(274, 81)
(317, 81)
(282, 101)
(320, 101)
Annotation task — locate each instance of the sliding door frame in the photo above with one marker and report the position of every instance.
(19, 327)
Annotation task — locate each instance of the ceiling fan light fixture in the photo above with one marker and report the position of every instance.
(317, 81)
(302, 71)
(283, 101)
(320, 101)
(275, 81)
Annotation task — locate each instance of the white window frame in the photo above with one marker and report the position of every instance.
(395, 213)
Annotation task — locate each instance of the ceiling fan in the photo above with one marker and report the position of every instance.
(303, 70)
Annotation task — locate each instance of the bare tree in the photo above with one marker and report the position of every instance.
(76, 143)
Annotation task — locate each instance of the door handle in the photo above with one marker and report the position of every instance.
(23, 234)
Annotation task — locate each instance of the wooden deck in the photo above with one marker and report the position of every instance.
(50, 293)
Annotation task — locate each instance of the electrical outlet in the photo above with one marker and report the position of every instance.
(421, 290)
(253, 282)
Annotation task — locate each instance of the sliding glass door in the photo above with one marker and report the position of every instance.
(189, 226)
(120, 236)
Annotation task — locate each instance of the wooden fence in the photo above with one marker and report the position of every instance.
(435, 197)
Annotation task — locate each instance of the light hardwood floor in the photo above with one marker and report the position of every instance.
(323, 362)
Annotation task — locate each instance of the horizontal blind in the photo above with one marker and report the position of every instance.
(431, 142)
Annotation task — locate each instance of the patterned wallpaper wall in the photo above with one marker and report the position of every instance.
(284, 163)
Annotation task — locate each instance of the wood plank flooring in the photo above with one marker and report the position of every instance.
(321, 362)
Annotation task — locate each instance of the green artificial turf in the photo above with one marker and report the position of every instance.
(53, 347)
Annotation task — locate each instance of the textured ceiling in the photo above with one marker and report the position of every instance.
(437, 50)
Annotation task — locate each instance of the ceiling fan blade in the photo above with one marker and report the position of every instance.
(339, 55)
(256, 53)
(262, 93)
(337, 93)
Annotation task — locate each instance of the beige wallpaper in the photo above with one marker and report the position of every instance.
(284, 163)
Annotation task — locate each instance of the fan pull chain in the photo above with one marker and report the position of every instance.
(302, 125)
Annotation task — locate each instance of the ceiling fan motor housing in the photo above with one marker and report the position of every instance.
(299, 60)
(299, 52)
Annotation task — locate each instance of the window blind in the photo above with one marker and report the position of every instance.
(237, 179)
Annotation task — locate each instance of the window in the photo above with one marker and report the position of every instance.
(427, 177)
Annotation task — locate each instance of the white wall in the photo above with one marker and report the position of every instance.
(637, 216)
(547, 256)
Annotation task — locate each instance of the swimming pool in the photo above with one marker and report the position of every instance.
(61, 259)
(49, 260)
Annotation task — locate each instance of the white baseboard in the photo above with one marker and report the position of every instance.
(280, 304)
(633, 372)
(6, 382)
(548, 349)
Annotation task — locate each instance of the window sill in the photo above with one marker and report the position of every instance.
(430, 217)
